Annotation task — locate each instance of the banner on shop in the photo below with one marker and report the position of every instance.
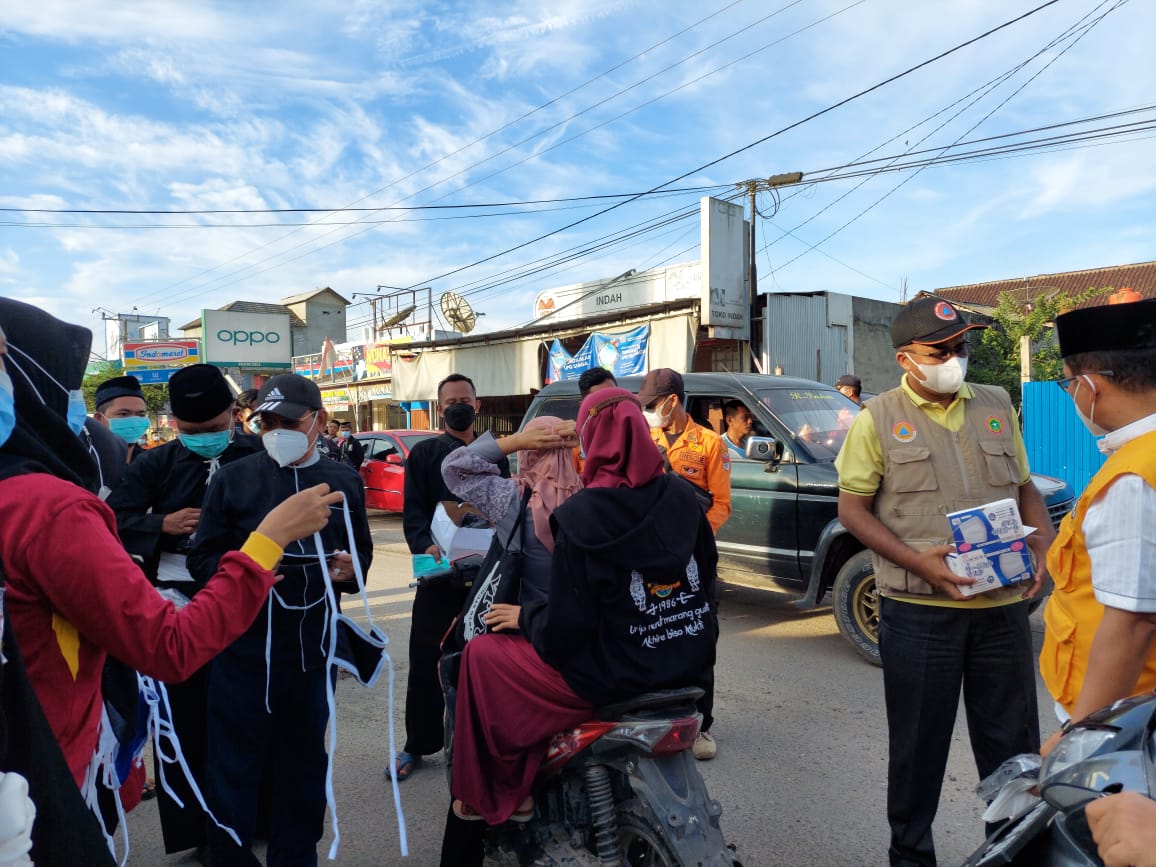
(623, 354)
(354, 362)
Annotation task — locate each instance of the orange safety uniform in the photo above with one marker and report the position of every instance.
(701, 457)
(1073, 613)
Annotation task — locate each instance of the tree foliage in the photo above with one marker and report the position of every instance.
(156, 396)
(995, 356)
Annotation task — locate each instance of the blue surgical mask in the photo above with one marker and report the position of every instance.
(130, 428)
(207, 445)
(7, 407)
(77, 410)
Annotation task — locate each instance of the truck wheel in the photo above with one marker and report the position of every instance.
(856, 605)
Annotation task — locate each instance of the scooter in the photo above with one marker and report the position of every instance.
(1112, 750)
(621, 789)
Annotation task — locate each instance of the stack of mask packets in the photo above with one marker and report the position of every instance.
(991, 546)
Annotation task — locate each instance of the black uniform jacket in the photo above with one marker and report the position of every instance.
(159, 482)
(239, 497)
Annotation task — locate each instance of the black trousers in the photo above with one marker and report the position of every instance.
(184, 827)
(434, 608)
(243, 741)
(929, 654)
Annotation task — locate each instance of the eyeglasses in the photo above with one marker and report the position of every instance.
(1066, 384)
(960, 350)
(268, 421)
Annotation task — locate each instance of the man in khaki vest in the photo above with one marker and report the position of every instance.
(1101, 619)
(936, 445)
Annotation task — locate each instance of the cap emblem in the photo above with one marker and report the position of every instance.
(945, 312)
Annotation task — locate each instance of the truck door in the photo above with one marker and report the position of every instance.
(760, 537)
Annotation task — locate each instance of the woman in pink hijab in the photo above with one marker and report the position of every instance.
(630, 550)
(545, 470)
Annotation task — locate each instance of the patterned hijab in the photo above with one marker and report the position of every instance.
(550, 476)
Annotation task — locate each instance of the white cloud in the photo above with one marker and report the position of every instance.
(222, 105)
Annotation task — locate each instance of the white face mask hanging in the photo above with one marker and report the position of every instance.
(368, 657)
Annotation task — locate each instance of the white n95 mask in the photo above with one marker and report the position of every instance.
(285, 446)
(945, 378)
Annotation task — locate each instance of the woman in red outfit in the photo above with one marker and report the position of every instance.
(71, 593)
(632, 550)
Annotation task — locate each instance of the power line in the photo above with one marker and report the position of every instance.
(1087, 29)
(441, 159)
(368, 227)
(193, 211)
(753, 144)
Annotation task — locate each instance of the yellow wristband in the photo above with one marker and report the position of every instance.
(264, 551)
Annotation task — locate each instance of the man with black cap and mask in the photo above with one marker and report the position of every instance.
(268, 699)
(1100, 622)
(934, 445)
(157, 506)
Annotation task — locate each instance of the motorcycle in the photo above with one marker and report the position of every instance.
(620, 789)
(1112, 750)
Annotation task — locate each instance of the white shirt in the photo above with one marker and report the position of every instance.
(1120, 533)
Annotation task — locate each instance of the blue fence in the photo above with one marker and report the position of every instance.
(1058, 443)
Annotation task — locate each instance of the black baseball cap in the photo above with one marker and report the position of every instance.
(288, 395)
(928, 320)
(848, 380)
(660, 383)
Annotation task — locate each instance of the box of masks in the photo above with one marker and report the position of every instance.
(991, 546)
(459, 530)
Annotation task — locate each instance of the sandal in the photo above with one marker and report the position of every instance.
(404, 764)
(148, 791)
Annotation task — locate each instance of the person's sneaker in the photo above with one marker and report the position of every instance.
(704, 747)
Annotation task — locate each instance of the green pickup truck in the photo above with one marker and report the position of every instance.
(784, 523)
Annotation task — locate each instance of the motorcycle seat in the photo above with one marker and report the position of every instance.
(649, 701)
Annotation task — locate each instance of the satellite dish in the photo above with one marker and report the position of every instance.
(400, 316)
(458, 312)
(1027, 294)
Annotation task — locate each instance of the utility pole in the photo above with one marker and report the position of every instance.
(753, 187)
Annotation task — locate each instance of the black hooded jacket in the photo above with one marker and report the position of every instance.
(632, 592)
(65, 831)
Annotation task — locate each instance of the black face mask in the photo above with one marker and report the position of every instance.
(360, 653)
(459, 416)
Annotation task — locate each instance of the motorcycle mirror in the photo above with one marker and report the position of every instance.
(1068, 796)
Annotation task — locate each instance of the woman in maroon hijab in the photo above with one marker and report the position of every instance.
(633, 553)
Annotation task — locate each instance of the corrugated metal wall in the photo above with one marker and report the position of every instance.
(1058, 443)
(802, 341)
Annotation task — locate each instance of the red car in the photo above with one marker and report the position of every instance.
(383, 470)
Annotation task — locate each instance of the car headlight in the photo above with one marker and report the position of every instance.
(1073, 748)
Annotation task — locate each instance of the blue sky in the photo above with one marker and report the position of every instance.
(157, 105)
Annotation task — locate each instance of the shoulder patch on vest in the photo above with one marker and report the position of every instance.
(994, 424)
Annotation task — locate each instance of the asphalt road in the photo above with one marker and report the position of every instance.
(801, 767)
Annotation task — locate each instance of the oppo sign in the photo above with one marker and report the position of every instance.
(250, 337)
(255, 340)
